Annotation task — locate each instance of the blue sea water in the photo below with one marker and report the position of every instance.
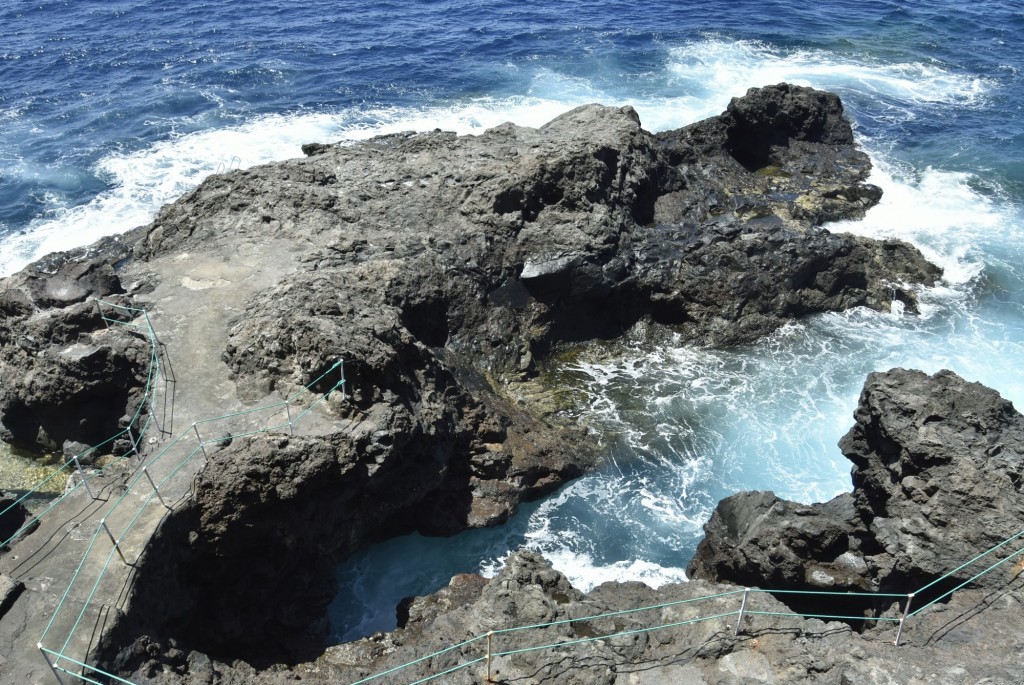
(108, 109)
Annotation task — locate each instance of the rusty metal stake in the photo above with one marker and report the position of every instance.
(103, 522)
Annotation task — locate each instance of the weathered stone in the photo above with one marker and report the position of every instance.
(938, 469)
(601, 639)
(13, 515)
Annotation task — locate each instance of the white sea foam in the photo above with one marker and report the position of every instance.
(585, 574)
(720, 69)
(945, 214)
(689, 426)
(701, 77)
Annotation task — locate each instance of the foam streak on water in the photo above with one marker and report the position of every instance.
(140, 182)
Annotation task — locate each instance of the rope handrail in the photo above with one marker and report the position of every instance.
(420, 659)
(617, 613)
(622, 633)
(968, 563)
(969, 580)
(567, 643)
(741, 612)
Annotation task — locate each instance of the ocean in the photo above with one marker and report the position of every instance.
(111, 108)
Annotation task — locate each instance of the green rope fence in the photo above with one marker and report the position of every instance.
(740, 613)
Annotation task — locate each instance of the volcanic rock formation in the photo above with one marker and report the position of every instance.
(937, 475)
(436, 266)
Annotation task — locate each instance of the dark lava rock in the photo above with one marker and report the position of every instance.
(78, 393)
(247, 567)
(436, 266)
(758, 126)
(938, 469)
(64, 375)
(13, 515)
(605, 637)
(9, 590)
(937, 480)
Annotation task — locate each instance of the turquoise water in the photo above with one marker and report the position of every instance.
(110, 109)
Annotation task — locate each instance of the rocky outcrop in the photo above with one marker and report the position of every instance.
(937, 465)
(64, 375)
(13, 515)
(86, 392)
(435, 266)
(938, 468)
(247, 567)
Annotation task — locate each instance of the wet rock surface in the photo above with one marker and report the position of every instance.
(435, 266)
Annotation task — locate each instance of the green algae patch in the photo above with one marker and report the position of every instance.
(21, 472)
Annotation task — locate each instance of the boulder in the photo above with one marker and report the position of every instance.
(937, 465)
(10, 589)
(938, 470)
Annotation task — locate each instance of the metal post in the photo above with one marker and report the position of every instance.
(49, 663)
(102, 318)
(490, 634)
(135, 447)
(906, 610)
(152, 331)
(200, 439)
(145, 471)
(103, 522)
(288, 408)
(81, 474)
(743, 609)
